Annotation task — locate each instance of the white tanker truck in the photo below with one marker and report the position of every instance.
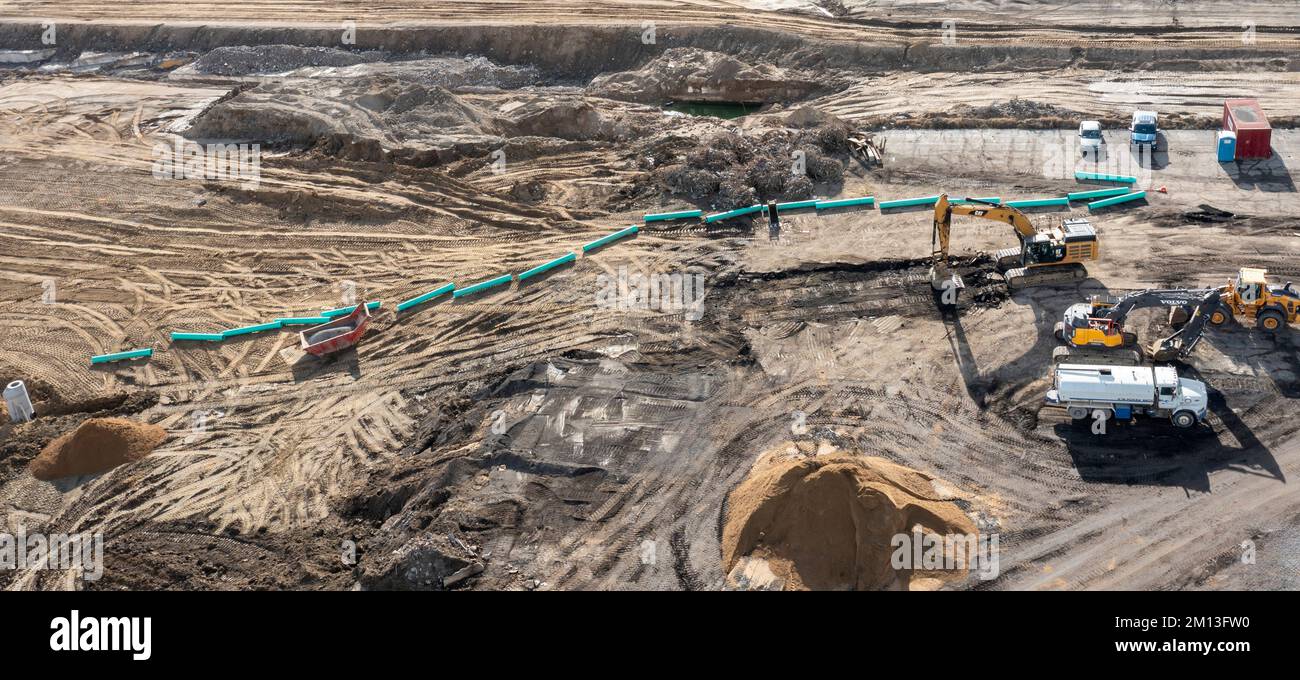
(1122, 392)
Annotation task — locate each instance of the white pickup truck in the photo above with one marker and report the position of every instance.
(1122, 392)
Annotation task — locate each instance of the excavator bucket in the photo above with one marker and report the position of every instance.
(1164, 350)
(947, 286)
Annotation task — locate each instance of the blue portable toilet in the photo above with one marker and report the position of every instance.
(1227, 146)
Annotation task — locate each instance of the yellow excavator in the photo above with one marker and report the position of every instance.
(1042, 258)
(1094, 331)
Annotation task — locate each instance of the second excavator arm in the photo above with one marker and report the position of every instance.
(1156, 297)
(1184, 340)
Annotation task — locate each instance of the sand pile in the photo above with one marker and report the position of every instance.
(97, 445)
(826, 523)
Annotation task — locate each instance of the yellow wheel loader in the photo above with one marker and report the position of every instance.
(1250, 298)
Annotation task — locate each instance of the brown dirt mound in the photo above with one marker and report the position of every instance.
(98, 445)
(826, 522)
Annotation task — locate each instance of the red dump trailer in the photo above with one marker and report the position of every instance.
(336, 335)
(1247, 120)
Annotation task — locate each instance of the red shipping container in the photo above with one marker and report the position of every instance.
(1254, 134)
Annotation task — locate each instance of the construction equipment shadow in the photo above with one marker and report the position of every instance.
(1267, 174)
(1152, 452)
(309, 367)
(1035, 358)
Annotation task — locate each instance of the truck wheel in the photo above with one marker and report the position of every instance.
(1077, 412)
(1059, 330)
(1270, 320)
(1220, 316)
(1184, 419)
(1060, 355)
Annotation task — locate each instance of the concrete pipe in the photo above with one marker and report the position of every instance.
(20, 405)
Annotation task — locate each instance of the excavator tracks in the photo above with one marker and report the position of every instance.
(1007, 258)
(1022, 277)
(1096, 355)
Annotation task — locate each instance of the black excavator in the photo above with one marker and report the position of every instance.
(1093, 331)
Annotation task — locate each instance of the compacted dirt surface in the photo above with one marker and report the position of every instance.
(577, 430)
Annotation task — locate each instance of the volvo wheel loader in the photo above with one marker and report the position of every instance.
(1042, 258)
(1251, 298)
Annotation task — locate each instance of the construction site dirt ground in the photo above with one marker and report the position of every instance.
(548, 434)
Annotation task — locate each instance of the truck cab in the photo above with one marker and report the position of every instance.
(1175, 394)
(1143, 130)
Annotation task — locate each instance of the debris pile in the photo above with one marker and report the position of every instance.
(242, 60)
(733, 171)
(690, 74)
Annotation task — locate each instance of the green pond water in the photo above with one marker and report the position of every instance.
(714, 109)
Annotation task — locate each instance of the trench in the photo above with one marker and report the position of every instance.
(575, 53)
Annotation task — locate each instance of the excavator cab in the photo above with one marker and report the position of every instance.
(1042, 249)
(1087, 324)
(1051, 255)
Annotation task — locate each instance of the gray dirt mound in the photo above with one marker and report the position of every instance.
(383, 118)
(563, 117)
(689, 74)
(453, 73)
(261, 59)
(826, 523)
(375, 118)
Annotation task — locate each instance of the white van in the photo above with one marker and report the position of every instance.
(1090, 139)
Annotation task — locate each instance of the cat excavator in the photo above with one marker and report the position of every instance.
(1042, 258)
